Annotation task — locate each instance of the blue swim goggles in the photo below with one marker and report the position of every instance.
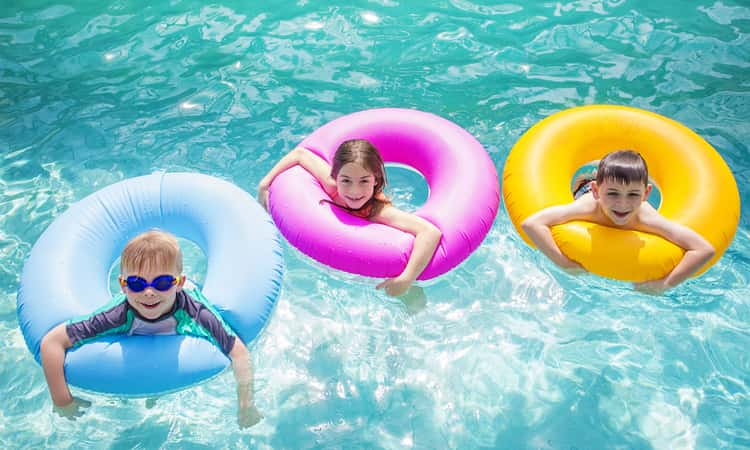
(162, 283)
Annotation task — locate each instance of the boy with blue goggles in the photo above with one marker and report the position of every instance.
(149, 307)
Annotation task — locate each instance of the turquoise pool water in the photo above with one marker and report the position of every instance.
(508, 352)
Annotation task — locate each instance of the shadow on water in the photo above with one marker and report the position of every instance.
(361, 421)
(580, 422)
(414, 300)
(152, 435)
(354, 417)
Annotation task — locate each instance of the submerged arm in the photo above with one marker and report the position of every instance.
(242, 365)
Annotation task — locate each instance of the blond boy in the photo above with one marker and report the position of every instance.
(154, 302)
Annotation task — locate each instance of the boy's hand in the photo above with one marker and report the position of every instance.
(573, 268)
(652, 287)
(74, 409)
(248, 416)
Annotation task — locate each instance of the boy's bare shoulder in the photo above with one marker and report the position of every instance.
(650, 220)
(584, 208)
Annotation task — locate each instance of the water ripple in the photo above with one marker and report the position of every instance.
(508, 351)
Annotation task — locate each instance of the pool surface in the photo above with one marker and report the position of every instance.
(508, 352)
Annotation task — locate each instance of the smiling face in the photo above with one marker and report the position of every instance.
(620, 201)
(359, 173)
(148, 256)
(151, 303)
(355, 185)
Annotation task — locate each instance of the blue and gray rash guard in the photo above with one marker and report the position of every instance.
(191, 315)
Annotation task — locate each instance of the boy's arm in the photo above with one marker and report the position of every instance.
(210, 321)
(248, 414)
(309, 161)
(698, 251)
(53, 348)
(426, 239)
(538, 228)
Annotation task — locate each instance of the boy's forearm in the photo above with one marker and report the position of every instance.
(690, 263)
(245, 383)
(242, 366)
(541, 236)
(53, 364)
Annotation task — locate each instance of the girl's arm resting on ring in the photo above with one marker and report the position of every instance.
(52, 351)
(309, 161)
(538, 228)
(426, 239)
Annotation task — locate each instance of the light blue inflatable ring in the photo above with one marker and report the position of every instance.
(67, 275)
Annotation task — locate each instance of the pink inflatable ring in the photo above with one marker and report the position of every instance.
(462, 203)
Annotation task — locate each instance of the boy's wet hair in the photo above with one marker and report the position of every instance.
(622, 166)
(362, 152)
(150, 250)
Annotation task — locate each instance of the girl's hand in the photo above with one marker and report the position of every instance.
(395, 286)
(263, 195)
(652, 287)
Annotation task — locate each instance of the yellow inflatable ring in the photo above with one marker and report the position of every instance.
(697, 187)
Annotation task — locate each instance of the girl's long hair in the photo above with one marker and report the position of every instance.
(362, 152)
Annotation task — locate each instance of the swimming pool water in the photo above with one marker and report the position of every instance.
(508, 352)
